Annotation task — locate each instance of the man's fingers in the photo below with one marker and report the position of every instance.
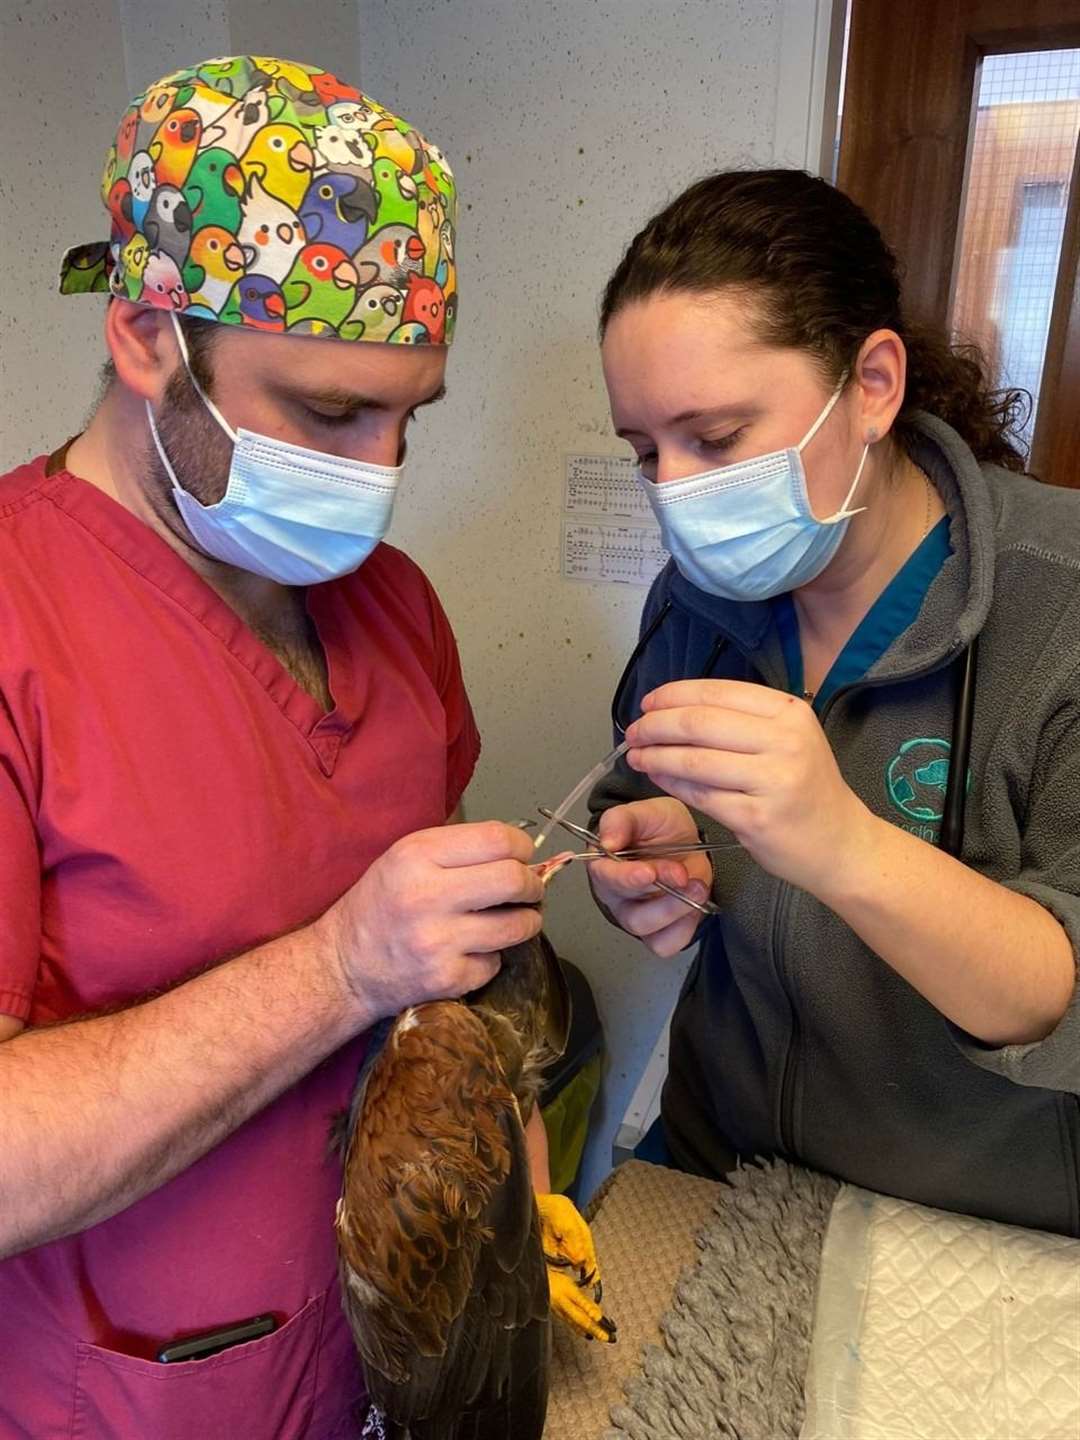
(478, 971)
(486, 931)
(502, 882)
(480, 843)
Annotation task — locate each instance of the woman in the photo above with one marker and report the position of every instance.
(842, 499)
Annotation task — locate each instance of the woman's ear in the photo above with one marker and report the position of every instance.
(880, 372)
(142, 345)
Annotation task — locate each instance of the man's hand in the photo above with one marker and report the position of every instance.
(626, 888)
(573, 1271)
(428, 919)
(99, 1112)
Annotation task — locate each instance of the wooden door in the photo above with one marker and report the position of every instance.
(977, 189)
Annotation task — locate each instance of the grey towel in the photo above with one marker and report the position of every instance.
(737, 1336)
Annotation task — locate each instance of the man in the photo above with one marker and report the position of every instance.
(232, 726)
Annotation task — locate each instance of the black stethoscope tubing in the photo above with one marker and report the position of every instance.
(951, 834)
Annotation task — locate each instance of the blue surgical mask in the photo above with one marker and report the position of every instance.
(294, 515)
(746, 531)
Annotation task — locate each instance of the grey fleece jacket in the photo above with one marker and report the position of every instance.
(791, 1036)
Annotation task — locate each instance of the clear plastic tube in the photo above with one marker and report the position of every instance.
(598, 771)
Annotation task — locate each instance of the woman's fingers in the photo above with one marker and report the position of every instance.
(623, 879)
(713, 769)
(672, 872)
(742, 695)
(618, 827)
(676, 936)
(646, 822)
(705, 727)
(627, 888)
(648, 917)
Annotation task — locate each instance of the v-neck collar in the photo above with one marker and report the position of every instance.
(151, 557)
(889, 616)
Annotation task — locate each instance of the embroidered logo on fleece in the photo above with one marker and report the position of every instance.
(915, 780)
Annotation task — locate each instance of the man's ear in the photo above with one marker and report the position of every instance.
(143, 347)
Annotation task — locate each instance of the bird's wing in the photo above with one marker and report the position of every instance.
(558, 1007)
(443, 1274)
(526, 1008)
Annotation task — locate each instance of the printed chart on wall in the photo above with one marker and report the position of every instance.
(608, 531)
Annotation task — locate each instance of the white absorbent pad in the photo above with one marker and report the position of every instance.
(933, 1326)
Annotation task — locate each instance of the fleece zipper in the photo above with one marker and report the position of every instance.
(786, 1117)
(789, 1067)
(785, 1124)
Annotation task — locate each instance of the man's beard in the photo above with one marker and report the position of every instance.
(199, 452)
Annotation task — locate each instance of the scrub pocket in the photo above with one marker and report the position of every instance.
(263, 1390)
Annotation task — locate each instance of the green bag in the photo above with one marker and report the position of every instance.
(572, 1084)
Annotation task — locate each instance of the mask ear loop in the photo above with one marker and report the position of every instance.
(843, 513)
(160, 448)
(816, 426)
(182, 343)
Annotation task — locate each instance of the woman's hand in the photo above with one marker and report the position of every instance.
(757, 761)
(626, 888)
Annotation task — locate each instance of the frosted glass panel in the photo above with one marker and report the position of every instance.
(1023, 144)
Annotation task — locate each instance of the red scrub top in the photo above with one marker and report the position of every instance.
(169, 797)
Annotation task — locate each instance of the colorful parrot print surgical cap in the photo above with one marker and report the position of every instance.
(259, 192)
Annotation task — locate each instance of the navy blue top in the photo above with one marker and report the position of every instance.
(889, 616)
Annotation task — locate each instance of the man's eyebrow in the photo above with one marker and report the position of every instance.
(433, 398)
(348, 401)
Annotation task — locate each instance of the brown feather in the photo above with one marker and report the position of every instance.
(443, 1275)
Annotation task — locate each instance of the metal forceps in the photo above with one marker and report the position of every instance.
(603, 853)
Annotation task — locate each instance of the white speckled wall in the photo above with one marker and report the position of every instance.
(325, 32)
(159, 36)
(54, 69)
(567, 123)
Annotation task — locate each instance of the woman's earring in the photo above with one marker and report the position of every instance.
(871, 436)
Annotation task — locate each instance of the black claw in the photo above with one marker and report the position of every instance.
(598, 1291)
(609, 1327)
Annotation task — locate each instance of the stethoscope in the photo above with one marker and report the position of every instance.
(951, 835)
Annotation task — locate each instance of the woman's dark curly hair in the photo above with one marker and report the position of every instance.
(823, 279)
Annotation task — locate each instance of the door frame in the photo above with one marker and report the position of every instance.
(909, 102)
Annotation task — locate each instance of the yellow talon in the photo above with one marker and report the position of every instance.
(572, 1268)
(577, 1309)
